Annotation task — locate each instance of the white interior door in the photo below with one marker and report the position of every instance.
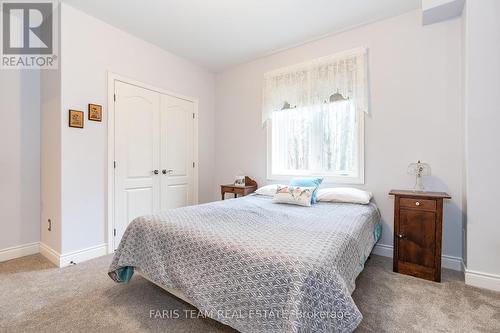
(137, 155)
(177, 152)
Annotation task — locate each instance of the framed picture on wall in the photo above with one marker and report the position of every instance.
(95, 112)
(76, 118)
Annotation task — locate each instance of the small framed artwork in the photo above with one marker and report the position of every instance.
(76, 118)
(95, 112)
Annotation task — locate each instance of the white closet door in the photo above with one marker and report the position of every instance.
(137, 154)
(177, 152)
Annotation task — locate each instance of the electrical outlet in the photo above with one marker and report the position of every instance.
(49, 225)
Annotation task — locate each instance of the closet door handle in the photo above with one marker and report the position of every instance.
(155, 172)
(165, 171)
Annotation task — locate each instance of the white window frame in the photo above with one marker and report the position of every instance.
(327, 177)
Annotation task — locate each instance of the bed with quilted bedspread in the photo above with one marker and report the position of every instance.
(254, 265)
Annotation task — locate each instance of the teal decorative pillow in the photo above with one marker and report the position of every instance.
(308, 182)
(294, 195)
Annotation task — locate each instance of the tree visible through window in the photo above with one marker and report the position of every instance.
(315, 114)
(319, 139)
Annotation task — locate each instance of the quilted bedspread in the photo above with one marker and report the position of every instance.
(254, 265)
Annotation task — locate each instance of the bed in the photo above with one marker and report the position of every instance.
(254, 265)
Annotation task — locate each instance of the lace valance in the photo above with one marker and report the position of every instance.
(323, 80)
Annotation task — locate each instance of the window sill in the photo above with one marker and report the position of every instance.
(327, 179)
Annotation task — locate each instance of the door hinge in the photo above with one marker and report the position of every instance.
(193, 115)
(114, 97)
(114, 232)
(114, 164)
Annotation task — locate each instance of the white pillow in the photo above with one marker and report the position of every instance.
(344, 194)
(269, 190)
(295, 195)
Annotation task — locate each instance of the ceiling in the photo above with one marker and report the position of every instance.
(218, 34)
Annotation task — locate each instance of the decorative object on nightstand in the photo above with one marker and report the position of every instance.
(419, 170)
(239, 181)
(249, 187)
(418, 218)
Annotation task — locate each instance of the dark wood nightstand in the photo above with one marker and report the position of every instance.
(250, 187)
(418, 218)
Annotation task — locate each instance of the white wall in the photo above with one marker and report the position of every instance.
(482, 87)
(19, 158)
(50, 110)
(415, 75)
(90, 48)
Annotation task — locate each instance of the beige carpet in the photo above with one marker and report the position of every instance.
(37, 297)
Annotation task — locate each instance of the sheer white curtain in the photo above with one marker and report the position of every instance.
(314, 82)
(316, 140)
(314, 108)
(292, 133)
(338, 142)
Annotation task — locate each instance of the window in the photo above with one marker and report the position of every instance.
(315, 119)
(324, 140)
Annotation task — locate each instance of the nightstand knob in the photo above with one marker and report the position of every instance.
(401, 236)
(417, 203)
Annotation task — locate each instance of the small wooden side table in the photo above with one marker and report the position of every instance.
(418, 218)
(250, 187)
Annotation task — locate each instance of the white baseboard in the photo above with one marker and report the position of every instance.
(62, 260)
(454, 263)
(83, 255)
(19, 251)
(383, 250)
(49, 253)
(482, 280)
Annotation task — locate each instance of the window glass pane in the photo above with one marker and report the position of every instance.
(339, 136)
(291, 132)
(321, 139)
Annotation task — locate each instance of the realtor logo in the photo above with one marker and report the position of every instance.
(28, 38)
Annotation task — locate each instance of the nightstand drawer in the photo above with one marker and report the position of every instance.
(418, 203)
(229, 189)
